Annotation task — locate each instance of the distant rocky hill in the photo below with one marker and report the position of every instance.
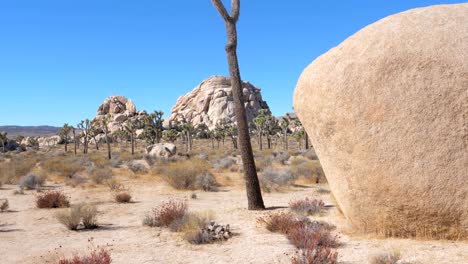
(29, 131)
(212, 101)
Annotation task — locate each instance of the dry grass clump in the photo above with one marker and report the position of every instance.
(99, 174)
(4, 205)
(391, 257)
(65, 166)
(281, 156)
(94, 257)
(138, 168)
(31, 181)
(83, 214)
(166, 213)
(17, 167)
(307, 206)
(191, 174)
(310, 170)
(52, 199)
(276, 180)
(263, 162)
(320, 255)
(278, 222)
(223, 163)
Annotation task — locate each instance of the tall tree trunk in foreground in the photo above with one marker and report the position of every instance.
(254, 194)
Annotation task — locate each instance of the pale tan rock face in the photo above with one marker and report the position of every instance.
(387, 112)
(119, 109)
(212, 101)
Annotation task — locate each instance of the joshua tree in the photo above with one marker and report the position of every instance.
(254, 194)
(104, 126)
(94, 131)
(130, 128)
(85, 126)
(188, 130)
(260, 122)
(64, 132)
(153, 127)
(75, 139)
(19, 139)
(3, 139)
(271, 128)
(33, 142)
(284, 124)
(171, 135)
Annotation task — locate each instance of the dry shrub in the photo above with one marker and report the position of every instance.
(31, 181)
(391, 257)
(75, 180)
(313, 239)
(307, 206)
(79, 214)
(319, 255)
(281, 156)
(189, 174)
(310, 154)
(99, 159)
(199, 237)
(70, 218)
(123, 197)
(191, 222)
(223, 163)
(16, 168)
(312, 234)
(94, 257)
(99, 174)
(279, 222)
(166, 213)
(65, 166)
(4, 205)
(52, 199)
(263, 162)
(276, 180)
(309, 170)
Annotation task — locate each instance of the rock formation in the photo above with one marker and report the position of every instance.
(387, 112)
(119, 109)
(212, 101)
(161, 150)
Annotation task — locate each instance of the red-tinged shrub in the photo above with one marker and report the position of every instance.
(312, 235)
(307, 206)
(319, 255)
(95, 257)
(52, 199)
(123, 197)
(166, 213)
(279, 222)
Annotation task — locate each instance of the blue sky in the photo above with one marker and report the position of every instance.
(59, 59)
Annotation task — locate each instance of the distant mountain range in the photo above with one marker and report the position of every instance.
(29, 131)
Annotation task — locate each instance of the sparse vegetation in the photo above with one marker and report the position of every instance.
(223, 163)
(307, 206)
(389, 257)
(83, 214)
(166, 213)
(52, 199)
(313, 239)
(4, 205)
(276, 180)
(189, 174)
(310, 170)
(65, 166)
(94, 257)
(31, 181)
(99, 174)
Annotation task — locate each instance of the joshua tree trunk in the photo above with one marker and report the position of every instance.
(260, 140)
(132, 139)
(306, 140)
(254, 194)
(74, 140)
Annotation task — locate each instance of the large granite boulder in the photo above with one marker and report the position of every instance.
(119, 109)
(161, 150)
(387, 112)
(212, 102)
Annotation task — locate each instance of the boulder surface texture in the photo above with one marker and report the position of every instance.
(387, 113)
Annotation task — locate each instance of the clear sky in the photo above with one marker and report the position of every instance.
(59, 59)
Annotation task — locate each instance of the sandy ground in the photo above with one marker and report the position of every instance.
(31, 235)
